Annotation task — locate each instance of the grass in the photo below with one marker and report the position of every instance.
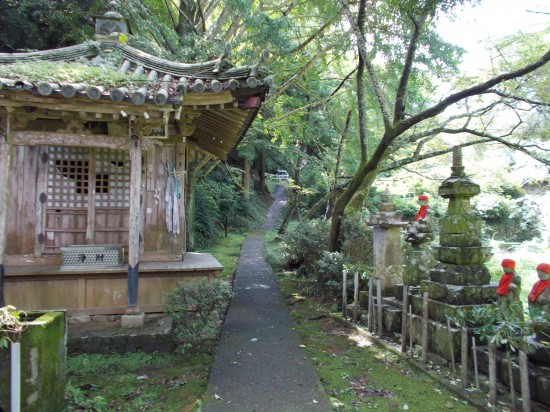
(136, 382)
(227, 250)
(357, 374)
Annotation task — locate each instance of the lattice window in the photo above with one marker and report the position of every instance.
(112, 178)
(69, 178)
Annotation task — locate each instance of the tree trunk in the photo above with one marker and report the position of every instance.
(246, 180)
(185, 22)
(262, 189)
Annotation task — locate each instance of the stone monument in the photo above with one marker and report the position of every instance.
(387, 226)
(460, 280)
(509, 289)
(419, 234)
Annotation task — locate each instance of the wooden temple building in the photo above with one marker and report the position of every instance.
(94, 178)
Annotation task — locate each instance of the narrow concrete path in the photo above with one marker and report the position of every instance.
(259, 365)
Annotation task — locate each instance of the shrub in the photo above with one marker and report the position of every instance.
(303, 245)
(197, 310)
(10, 325)
(512, 220)
(220, 208)
(357, 243)
(329, 274)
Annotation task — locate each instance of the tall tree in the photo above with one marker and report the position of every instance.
(409, 124)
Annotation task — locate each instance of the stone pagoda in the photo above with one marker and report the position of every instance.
(460, 279)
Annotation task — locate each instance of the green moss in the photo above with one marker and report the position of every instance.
(71, 73)
(42, 364)
(357, 374)
(227, 250)
(140, 381)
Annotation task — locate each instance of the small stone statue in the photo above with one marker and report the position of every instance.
(509, 287)
(539, 307)
(420, 230)
(540, 292)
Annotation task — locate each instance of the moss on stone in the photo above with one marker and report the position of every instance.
(42, 364)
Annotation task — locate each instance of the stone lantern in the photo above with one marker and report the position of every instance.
(111, 26)
(387, 226)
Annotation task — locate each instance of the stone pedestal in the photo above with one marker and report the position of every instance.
(419, 261)
(133, 321)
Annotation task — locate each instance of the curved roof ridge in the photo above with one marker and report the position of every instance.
(86, 49)
(204, 70)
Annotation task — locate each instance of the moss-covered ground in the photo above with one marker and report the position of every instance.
(357, 374)
(136, 382)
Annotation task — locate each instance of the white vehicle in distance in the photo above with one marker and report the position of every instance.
(282, 175)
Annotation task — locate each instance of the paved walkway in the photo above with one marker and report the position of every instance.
(259, 365)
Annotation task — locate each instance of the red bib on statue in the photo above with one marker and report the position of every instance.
(538, 289)
(504, 284)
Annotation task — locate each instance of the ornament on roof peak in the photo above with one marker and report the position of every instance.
(111, 26)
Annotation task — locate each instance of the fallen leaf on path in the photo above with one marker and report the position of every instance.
(218, 397)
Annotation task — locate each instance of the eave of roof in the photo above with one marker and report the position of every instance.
(167, 80)
(218, 90)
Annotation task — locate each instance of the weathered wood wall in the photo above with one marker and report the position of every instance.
(61, 226)
(23, 200)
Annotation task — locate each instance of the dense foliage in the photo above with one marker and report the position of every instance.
(197, 310)
(220, 207)
(303, 251)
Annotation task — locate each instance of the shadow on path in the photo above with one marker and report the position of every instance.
(259, 365)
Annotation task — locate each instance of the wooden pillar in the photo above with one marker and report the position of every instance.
(42, 189)
(6, 156)
(133, 241)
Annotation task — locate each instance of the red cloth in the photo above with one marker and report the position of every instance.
(422, 197)
(421, 213)
(545, 267)
(537, 289)
(504, 284)
(508, 263)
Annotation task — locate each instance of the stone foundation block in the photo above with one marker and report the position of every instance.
(462, 255)
(460, 295)
(133, 321)
(78, 319)
(477, 274)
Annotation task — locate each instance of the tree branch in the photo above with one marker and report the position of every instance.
(375, 84)
(312, 37)
(471, 91)
(399, 108)
(523, 99)
(296, 76)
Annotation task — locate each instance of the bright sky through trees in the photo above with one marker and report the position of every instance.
(475, 27)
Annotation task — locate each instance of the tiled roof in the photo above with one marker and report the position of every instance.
(167, 80)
